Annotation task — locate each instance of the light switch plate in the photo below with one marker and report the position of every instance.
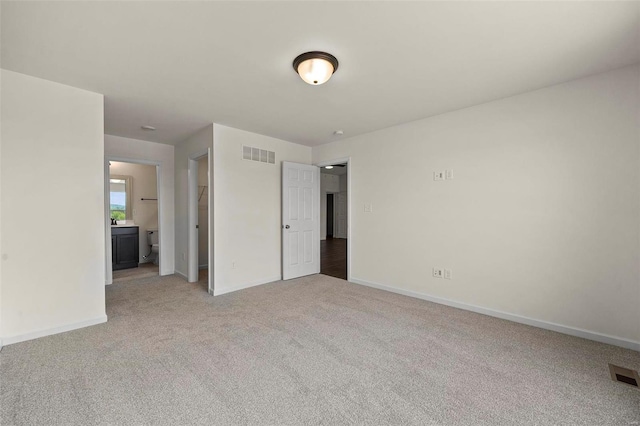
(449, 174)
(438, 175)
(368, 208)
(447, 274)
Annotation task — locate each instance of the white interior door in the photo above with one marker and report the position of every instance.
(300, 220)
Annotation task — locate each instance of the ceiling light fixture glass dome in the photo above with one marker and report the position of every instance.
(315, 68)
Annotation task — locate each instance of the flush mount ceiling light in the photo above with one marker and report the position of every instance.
(148, 128)
(328, 167)
(315, 68)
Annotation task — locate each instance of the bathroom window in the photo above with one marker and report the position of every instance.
(120, 197)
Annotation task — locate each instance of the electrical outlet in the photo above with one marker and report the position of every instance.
(438, 175)
(368, 208)
(437, 273)
(447, 274)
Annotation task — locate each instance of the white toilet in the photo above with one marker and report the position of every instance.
(153, 239)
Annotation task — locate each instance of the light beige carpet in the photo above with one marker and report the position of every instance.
(144, 270)
(315, 350)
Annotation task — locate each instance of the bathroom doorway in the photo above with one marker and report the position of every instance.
(132, 216)
(200, 254)
(133, 205)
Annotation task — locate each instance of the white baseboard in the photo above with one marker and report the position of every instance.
(180, 274)
(9, 340)
(572, 331)
(164, 273)
(219, 290)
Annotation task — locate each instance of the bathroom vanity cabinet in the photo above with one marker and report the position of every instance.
(125, 242)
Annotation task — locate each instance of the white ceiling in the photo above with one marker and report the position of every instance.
(179, 66)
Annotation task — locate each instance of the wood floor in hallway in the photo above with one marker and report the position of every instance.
(333, 257)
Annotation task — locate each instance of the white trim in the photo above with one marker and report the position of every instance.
(9, 340)
(210, 223)
(162, 239)
(349, 209)
(572, 331)
(219, 290)
(108, 277)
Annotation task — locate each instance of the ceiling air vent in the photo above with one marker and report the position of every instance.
(624, 375)
(257, 154)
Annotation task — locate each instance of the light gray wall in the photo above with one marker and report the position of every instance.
(248, 208)
(540, 221)
(53, 222)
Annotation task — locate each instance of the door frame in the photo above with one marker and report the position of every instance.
(107, 208)
(192, 192)
(343, 160)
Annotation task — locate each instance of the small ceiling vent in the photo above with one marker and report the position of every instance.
(624, 375)
(257, 154)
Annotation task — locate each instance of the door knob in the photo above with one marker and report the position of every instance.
(286, 227)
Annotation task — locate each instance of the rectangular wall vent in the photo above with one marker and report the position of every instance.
(624, 375)
(257, 154)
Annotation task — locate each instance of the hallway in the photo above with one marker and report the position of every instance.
(333, 257)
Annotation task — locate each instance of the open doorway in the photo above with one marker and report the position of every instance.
(203, 223)
(200, 262)
(334, 219)
(133, 220)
